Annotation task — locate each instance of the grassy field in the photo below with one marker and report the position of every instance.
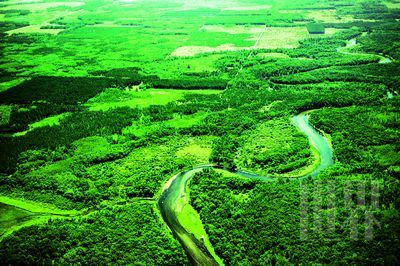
(16, 214)
(176, 66)
(392, 4)
(46, 122)
(197, 150)
(35, 207)
(9, 84)
(88, 38)
(186, 121)
(113, 98)
(328, 16)
(10, 216)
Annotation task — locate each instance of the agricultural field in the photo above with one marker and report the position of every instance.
(182, 132)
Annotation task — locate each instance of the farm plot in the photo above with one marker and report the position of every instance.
(328, 16)
(264, 38)
(242, 37)
(37, 6)
(195, 4)
(196, 50)
(34, 29)
(39, 15)
(234, 29)
(247, 8)
(282, 37)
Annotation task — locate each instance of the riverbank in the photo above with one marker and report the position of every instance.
(174, 201)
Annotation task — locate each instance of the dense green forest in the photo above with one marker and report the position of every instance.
(111, 235)
(103, 103)
(263, 221)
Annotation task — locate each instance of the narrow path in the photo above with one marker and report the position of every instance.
(252, 49)
(257, 42)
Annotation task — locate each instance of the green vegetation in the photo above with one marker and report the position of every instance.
(270, 148)
(102, 102)
(121, 234)
(5, 112)
(48, 121)
(357, 144)
(10, 216)
(97, 169)
(133, 97)
(190, 220)
(35, 207)
(254, 222)
(316, 28)
(16, 214)
(9, 84)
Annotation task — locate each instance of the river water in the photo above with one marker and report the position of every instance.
(176, 189)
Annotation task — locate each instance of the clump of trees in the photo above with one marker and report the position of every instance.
(259, 222)
(60, 90)
(114, 235)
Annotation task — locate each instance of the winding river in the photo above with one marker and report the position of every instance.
(176, 190)
(382, 59)
(175, 193)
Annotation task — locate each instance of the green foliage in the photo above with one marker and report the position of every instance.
(374, 73)
(316, 28)
(385, 39)
(255, 223)
(128, 234)
(366, 138)
(274, 147)
(55, 90)
(23, 115)
(223, 151)
(97, 168)
(98, 114)
(73, 127)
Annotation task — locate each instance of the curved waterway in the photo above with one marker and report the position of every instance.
(174, 195)
(382, 59)
(353, 42)
(175, 192)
